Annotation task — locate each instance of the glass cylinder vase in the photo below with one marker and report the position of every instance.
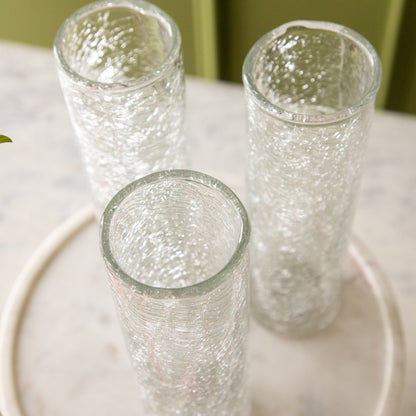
(121, 71)
(175, 244)
(310, 91)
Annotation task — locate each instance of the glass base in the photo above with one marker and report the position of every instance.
(302, 327)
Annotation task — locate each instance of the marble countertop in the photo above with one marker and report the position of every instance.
(43, 183)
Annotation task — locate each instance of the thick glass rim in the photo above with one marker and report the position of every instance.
(140, 6)
(304, 118)
(193, 290)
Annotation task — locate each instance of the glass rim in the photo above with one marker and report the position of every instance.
(140, 6)
(193, 290)
(301, 117)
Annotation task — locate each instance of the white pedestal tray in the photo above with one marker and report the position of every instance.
(62, 352)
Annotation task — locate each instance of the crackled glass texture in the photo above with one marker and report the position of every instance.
(121, 72)
(176, 249)
(310, 91)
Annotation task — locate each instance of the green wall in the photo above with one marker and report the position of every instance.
(402, 92)
(34, 21)
(217, 34)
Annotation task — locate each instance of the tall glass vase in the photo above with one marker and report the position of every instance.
(121, 71)
(175, 244)
(310, 92)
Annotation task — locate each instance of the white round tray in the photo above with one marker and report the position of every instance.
(62, 352)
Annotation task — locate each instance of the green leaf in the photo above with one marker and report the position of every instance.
(4, 139)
